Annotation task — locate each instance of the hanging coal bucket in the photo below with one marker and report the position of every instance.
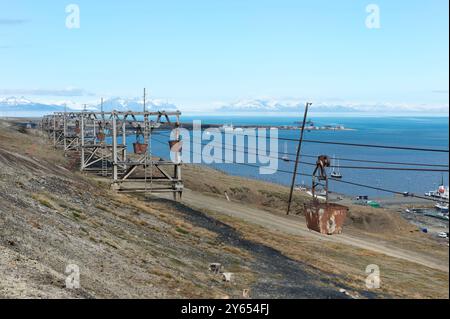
(325, 218)
(77, 127)
(101, 136)
(140, 148)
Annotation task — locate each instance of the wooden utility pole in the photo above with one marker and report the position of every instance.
(65, 128)
(294, 176)
(83, 151)
(114, 150)
(145, 95)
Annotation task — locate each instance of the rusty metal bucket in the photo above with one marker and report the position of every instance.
(176, 146)
(101, 136)
(140, 148)
(325, 218)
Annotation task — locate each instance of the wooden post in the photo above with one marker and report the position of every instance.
(65, 131)
(178, 158)
(82, 143)
(114, 152)
(54, 131)
(124, 141)
(94, 126)
(299, 149)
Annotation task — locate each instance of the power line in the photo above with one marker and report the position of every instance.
(419, 149)
(364, 161)
(390, 163)
(344, 167)
(381, 189)
(400, 169)
(297, 157)
(380, 146)
(332, 179)
(355, 160)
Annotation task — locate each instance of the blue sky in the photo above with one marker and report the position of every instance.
(203, 53)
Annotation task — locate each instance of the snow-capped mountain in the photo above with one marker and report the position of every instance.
(22, 104)
(14, 101)
(272, 105)
(262, 105)
(135, 104)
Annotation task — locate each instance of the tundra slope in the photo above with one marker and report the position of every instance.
(52, 216)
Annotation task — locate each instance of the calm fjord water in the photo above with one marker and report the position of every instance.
(424, 132)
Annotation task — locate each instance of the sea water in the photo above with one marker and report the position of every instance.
(421, 132)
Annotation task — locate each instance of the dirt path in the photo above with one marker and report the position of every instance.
(265, 219)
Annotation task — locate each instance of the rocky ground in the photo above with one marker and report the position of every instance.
(52, 216)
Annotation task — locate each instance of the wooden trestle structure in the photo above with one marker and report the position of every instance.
(99, 142)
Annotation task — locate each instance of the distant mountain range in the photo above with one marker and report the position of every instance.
(259, 105)
(13, 104)
(135, 104)
(278, 106)
(22, 105)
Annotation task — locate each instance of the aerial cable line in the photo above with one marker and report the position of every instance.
(360, 145)
(331, 179)
(361, 160)
(345, 167)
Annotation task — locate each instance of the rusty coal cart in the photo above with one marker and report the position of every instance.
(325, 218)
(322, 216)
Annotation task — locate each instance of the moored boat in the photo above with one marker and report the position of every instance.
(336, 173)
(442, 192)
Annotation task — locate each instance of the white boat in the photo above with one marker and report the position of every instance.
(443, 207)
(442, 235)
(442, 192)
(227, 128)
(321, 192)
(336, 173)
(301, 188)
(317, 196)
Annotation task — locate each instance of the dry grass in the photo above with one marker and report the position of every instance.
(125, 229)
(179, 225)
(94, 227)
(379, 224)
(236, 251)
(252, 192)
(43, 200)
(400, 279)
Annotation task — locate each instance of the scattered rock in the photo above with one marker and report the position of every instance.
(227, 276)
(348, 294)
(215, 268)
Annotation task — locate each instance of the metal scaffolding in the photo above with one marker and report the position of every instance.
(100, 140)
